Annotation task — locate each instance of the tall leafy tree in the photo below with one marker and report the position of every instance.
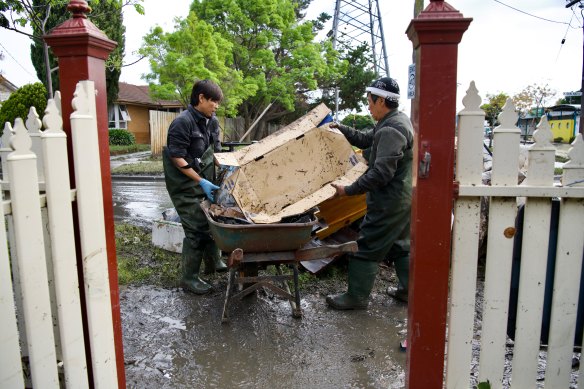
(194, 51)
(533, 96)
(107, 16)
(358, 76)
(16, 15)
(494, 107)
(272, 59)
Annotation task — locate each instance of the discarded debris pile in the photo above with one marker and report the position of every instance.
(233, 215)
(290, 171)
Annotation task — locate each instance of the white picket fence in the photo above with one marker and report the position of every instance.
(538, 189)
(42, 337)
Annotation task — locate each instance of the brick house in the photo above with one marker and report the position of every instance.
(132, 109)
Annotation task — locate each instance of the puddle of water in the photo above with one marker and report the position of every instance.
(139, 202)
(176, 340)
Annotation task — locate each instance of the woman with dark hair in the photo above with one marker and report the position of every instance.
(189, 172)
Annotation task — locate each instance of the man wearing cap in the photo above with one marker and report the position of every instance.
(385, 230)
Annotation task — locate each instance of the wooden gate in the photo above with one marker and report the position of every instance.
(491, 343)
(42, 337)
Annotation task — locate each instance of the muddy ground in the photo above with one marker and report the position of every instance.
(173, 339)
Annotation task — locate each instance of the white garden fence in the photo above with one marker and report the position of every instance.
(42, 337)
(539, 189)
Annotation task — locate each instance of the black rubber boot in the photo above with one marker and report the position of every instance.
(191, 264)
(213, 261)
(402, 270)
(361, 279)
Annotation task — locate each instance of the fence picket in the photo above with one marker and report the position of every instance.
(4, 151)
(534, 253)
(31, 259)
(502, 213)
(10, 365)
(34, 126)
(465, 244)
(54, 147)
(569, 255)
(92, 230)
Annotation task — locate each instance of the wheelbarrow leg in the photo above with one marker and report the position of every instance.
(230, 284)
(296, 310)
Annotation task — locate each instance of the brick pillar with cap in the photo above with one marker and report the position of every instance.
(435, 35)
(82, 49)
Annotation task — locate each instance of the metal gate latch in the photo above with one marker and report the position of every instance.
(424, 170)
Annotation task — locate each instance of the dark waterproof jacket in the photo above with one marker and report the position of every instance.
(388, 183)
(389, 150)
(190, 134)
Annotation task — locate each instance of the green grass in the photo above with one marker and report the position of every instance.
(152, 167)
(140, 262)
(135, 148)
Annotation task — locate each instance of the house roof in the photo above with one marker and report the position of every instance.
(7, 84)
(140, 95)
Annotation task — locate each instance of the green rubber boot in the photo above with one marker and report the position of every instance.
(361, 279)
(402, 270)
(212, 258)
(191, 264)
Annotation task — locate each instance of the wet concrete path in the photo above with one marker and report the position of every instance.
(176, 340)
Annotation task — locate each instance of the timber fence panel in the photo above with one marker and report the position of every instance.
(60, 217)
(36, 306)
(534, 255)
(569, 254)
(465, 243)
(502, 214)
(11, 375)
(159, 123)
(92, 236)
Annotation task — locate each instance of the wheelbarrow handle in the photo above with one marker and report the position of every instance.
(312, 253)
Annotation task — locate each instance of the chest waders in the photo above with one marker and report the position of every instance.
(186, 196)
(384, 233)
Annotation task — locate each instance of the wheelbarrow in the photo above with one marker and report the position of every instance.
(256, 246)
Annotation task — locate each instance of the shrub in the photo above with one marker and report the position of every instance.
(19, 103)
(121, 137)
(559, 139)
(572, 139)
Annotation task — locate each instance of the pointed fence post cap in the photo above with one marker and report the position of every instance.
(79, 8)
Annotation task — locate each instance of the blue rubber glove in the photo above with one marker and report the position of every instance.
(208, 188)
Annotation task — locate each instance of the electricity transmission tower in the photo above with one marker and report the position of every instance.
(359, 21)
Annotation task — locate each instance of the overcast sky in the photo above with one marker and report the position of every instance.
(509, 45)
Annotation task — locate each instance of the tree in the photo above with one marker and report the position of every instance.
(16, 15)
(257, 51)
(19, 103)
(494, 107)
(193, 51)
(107, 16)
(533, 96)
(352, 85)
(568, 100)
(359, 122)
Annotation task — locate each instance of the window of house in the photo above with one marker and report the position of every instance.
(118, 116)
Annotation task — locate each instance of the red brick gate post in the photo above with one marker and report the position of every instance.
(82, 50)
(435, 35)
